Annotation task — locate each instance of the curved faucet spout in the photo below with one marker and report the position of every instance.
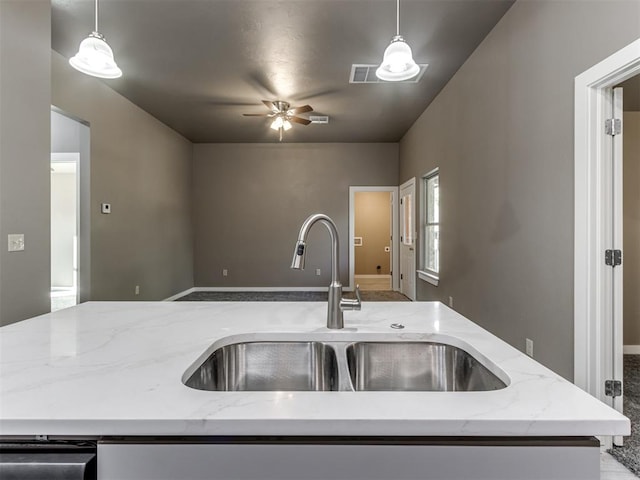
(335, 318)
(299, 254)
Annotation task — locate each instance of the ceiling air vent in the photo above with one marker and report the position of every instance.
(362, 73)
(320, 119)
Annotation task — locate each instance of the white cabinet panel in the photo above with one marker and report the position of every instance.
(354, 462)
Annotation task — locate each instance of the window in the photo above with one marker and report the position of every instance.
(431, 227)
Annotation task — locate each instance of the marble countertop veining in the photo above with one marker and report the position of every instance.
(115, 368)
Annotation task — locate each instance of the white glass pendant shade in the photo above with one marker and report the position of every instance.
(397, 62)
(286, 125)
(95, 58)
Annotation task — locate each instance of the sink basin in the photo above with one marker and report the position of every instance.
(268, 366)
(417, 366)
(331, 363)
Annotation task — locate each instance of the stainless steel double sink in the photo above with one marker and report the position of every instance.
(369, 365)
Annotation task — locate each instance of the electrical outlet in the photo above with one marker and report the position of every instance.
(451, 302)
(16, 242)
(318, 272)
(225, 272)
(137, 289)
(529, 347)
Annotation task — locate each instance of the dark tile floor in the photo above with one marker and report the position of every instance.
(629, 453)
(368, 296)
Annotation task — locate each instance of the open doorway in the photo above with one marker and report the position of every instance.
(628, 452)
(69, 172)
(373, 252)
(372, 240)
(64, 230)
(631, 217)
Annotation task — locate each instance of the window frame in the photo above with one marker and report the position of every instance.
(424, 273)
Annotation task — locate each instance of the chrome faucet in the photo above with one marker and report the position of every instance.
(337, 304)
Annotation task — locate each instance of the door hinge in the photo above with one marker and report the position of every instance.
(613, 257)
(613, 388)
(613, 126)
(401, 277)
(401, 201)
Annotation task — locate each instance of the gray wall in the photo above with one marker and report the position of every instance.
(631, 94)
(143, 168)
(25, 97)
(251, 199)
(501, 132)
(631, 232)
(65, 134)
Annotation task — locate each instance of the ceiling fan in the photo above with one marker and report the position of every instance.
(283, 114)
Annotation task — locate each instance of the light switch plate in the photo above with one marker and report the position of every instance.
(105, 208)
(16, 242)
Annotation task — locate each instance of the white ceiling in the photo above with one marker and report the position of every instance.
(197, 65)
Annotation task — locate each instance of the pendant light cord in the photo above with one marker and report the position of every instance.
(96, 30)
(397, 17)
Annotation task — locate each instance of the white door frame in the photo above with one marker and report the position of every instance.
(410, 183)
(395, 254)
(593, 218)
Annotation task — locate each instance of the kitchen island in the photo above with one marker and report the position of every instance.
(113, 372)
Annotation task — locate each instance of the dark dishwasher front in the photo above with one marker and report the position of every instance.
(45, 460)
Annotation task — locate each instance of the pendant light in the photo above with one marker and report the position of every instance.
(95, 56)
(397, 62)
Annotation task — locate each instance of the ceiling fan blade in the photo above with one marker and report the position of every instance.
(301, 120)
(228, 102)
(270, 105)
(305, 96)
(302, 109)
(256, 114)
(263, 84)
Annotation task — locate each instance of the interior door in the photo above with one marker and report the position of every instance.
(408, 239)
(617, 230)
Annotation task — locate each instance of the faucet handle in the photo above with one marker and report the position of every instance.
(349, 304)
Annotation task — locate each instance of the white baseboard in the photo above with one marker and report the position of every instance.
(178, 295)
(631, 349)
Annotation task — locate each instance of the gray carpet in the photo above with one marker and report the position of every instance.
(629, 454)
(368, 296)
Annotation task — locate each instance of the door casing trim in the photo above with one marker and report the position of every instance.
(593, 216)
(411, 182)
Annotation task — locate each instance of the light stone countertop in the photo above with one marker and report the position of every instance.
(115, 368)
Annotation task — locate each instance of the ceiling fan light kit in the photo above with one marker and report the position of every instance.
(397, 62)
(95, 56)
(282, 115)
(281, 122)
